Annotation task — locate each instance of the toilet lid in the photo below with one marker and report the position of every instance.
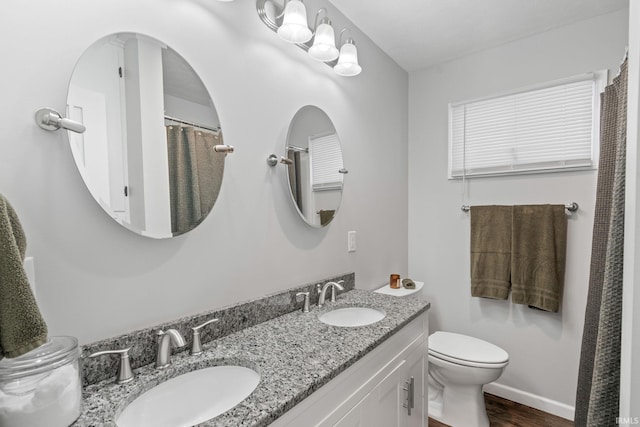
(465, 348)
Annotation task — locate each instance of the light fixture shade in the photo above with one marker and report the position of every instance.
(294, 28)
(348, 61)
(324, 45)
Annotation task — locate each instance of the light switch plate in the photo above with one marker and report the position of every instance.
(351, 241)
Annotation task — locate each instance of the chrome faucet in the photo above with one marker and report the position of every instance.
(165, 340)
(323, 291)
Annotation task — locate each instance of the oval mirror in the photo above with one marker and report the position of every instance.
(147, 155)
(315, 167)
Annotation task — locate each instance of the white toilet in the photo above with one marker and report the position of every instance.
(459, 366)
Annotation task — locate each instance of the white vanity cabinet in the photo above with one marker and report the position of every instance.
(374, 391)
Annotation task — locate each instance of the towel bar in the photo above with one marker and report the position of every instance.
(571, 207)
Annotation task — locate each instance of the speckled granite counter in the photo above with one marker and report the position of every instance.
(295, 354)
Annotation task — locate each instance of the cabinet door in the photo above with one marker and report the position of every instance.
(415, 370)
(387, 398)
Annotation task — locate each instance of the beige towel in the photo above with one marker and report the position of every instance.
(491, 251)
(538, 255)
(21, 325)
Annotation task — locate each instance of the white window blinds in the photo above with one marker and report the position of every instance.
(554, 126)
(326, 161)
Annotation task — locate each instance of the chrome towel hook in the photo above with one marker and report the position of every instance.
(49, 119)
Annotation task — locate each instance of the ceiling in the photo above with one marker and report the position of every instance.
(421, 33)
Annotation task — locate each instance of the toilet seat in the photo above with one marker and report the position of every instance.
(466, 351)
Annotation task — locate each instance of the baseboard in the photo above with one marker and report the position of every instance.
(532, 400)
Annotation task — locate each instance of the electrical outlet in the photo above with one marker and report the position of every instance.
(351, 241)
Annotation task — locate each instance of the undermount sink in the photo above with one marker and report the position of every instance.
(352, 316)
(191, 398)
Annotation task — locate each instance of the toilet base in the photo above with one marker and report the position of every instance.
(458, 406)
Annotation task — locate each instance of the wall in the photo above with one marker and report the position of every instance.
(94, 278)
(544, 348)
(630, 364)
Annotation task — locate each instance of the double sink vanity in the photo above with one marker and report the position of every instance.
(360, 360)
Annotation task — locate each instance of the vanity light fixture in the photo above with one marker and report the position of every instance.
(289, 21)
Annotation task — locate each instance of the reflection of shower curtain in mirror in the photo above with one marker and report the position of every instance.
(294, 177)
(195, 175)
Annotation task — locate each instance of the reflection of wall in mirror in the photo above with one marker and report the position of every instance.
(181, 108)
(145, 128)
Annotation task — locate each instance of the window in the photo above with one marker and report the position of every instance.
(326, 162)
(549, 127)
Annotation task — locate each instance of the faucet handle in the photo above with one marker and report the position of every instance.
(196, 344)
(305, 305)
(125, 374)
(335, 289)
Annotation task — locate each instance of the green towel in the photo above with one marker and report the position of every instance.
(538, 255)
(326, 216)
(491, 251)
(21, 325)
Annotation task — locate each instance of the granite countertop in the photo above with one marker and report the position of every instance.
(295, 354)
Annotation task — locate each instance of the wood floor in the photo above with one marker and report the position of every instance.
(505, 413)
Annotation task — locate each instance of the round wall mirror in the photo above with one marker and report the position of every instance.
(315, 167)
(147, 155)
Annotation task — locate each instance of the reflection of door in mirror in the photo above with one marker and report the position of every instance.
(94, 99)
(129, 90)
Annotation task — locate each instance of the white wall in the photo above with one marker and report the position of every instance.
(544, 348)
(630, 364)
(96, 279)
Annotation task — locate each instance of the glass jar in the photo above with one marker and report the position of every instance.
(42, 388)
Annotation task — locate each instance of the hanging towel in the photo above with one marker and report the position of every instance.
(21, 325)
(538, 255)
(326, 216)
(491, 251)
